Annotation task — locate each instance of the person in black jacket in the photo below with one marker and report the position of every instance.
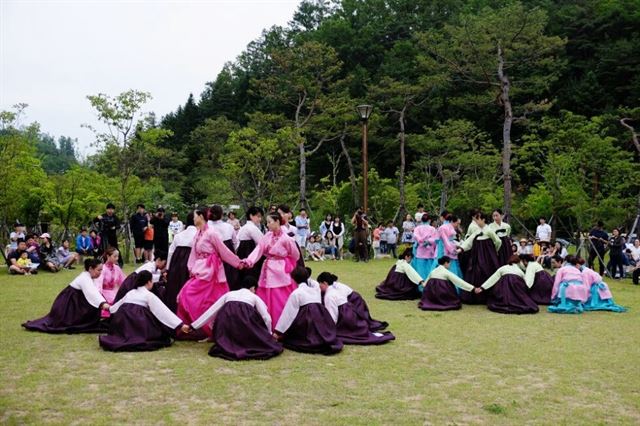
(599, 240)
(616, 244)
(108, 225)
(138, 224)
(160, 231)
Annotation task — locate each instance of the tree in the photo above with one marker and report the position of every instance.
(506, 54)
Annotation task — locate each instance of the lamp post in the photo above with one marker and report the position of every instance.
(364, 111)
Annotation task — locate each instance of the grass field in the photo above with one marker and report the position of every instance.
(466, 367)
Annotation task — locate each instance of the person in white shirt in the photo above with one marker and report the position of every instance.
(177, 259)
(351, 328)
(543, 231)
(419, 213)
(391, 234)
(77, 308)
(17, 234)
(241, 325)
(305, 324)
(175, 226)
(140, 321)
(402, 282)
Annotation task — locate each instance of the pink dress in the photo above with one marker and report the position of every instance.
(425, 237)
(109, 283)
(447, 233)
(591, 278)
(570, 274)
(275, 283)
(208, 281)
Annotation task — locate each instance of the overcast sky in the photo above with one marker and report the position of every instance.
(55, 53)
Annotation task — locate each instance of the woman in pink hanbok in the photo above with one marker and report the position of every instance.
(281, 253)
(111, 278)
(208, 281)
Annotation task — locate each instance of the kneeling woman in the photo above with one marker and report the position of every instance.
(305, 324)
(140, 321)
(441, 290)
(77, 307)
(600, 297)
(351, 329)
(509, 293)
(538, 280)
(569, 292)
(241, 325)
(402, 282)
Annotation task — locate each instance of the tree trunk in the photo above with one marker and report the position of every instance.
(352, 173)
(505, 85)
(403, 207)
(634, 134)
(443, 192)
(303, 176)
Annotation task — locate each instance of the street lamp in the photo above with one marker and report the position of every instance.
(364, 111)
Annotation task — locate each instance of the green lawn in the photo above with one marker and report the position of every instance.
(467, 367)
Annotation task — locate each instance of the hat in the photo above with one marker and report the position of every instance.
(45, 235)
(523, 240)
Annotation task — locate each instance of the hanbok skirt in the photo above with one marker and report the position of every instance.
(194, 299)
(541, 289)
(569, 299)
(229, 271)
(506, 251)
(439, 295)
(362, 310)
(313, 331)
(275, 298)
(397, 286)
(601, 299)
(353, 330)
(510, 295)
(239, 333)
(70, 313)
(134, 328)
(482, 262)
(424, 266)
(177, 276)
(244, 250)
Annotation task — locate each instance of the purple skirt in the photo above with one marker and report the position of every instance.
(239, 332)
(505, 251)
(229, 271)
(244, 250)
(397, 286)
(313, 331)
(135, 328)
(510, 295)
(482, 262)
(355, 331)
(362, 310)
(70, 313)
(439, 295)
(177, 276)
(540, 291)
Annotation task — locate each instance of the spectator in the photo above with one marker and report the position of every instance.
(330, 243)
(326, 224)
(616, 244)
(17, 234)
(96, 244)
(138, 224)
(33, 248)
(537, 248)
(175, 226)
(361, 227)
(66, 259)
(543, 231)
(383, 238)
(108, 225)
(148, 243)
(376, 241)
(514, 248)
(48, 254)
(419, 213)
(337, 228)
(408, 226)
(83, 244)
(160, 231)
(391, 235)
(302, 228)
(15, 256)
(25, 263)
(559, 249)
(524, 247)
(635, 252)
(314, 248)
(598, 239)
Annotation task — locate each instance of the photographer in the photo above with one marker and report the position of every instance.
(361, 249)
(138, 224)
(599, 240)
(108, 225)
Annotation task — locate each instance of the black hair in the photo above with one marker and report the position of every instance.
(215, 212)
(302, 209)
(285, 208)
(300, 275)
(443, 260)
(249, 281)
(513, 259)
(474, 212)
(160, 210)
(600, 224)
(190, 219)
(308, 270)
(499, 211)
(83, 229)
(17, 224)
(425, 218)
(111, 206)
(543, 218)
(569, 259)
(407, 252)
(252, 211)
(527, 258)
(174, 214)
(91, 263)
(327, 277)
(420, 206)
(481, 215)
(453, 218)
(143, 278)
(140, 205)
(277, 217)
(201, 211)
(21, 240)
(158, 254)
